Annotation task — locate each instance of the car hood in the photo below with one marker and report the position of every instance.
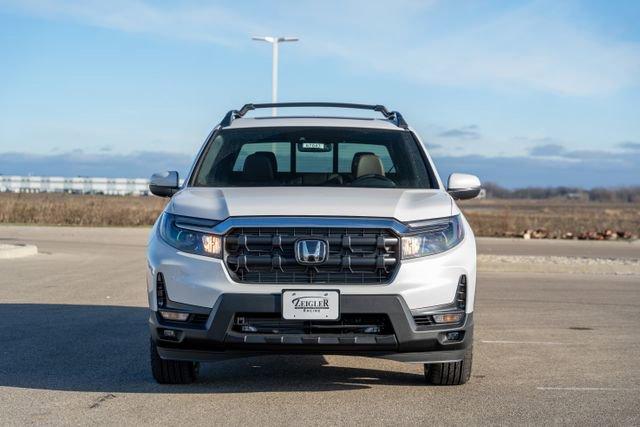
(221, 203)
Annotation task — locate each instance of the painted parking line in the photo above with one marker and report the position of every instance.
(522, 342)
(588, 388)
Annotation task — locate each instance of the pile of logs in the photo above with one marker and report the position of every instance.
(606, 234)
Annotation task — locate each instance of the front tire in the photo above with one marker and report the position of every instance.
(172, 371)
(450, 373)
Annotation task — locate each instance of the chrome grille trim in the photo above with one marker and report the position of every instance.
(309, 221)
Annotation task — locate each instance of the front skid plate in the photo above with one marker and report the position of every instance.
(211, 356)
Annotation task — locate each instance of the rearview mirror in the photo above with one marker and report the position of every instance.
(164, 184)
(463, 186)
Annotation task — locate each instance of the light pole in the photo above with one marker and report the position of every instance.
(274, 64)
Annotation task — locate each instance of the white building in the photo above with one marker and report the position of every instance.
(79, 185)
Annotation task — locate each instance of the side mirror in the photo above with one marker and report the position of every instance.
(463, 186)
(164, 184)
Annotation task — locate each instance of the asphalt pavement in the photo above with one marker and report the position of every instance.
(549, 348)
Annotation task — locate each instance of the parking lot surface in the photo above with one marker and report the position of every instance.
(549, 348)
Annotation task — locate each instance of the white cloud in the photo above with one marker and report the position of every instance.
(524, 48)
(536, 46)
(188, 21)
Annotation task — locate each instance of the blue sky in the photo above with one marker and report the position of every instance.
(522, 93)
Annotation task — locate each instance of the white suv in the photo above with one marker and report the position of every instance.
(328, 235)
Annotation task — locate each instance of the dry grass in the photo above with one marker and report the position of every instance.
(500, 217)
(83, 210)
(488, 217)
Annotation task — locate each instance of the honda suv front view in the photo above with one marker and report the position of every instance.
(326, 235)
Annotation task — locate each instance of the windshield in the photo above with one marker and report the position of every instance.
(336, 157)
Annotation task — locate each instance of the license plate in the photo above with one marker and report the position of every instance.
(310, 305)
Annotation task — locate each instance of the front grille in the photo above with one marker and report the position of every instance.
(356, 255)
(349, 324)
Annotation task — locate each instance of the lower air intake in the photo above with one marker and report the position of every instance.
(161, 291)
(461, 293)
(349, 324)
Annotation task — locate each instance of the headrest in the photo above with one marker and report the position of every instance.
(258, 167)
(356, 159)
(369, 164)
(272, 159)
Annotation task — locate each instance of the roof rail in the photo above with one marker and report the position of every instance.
(395, 116)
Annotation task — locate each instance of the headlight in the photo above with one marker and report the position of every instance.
(187, 235)
(432, 237)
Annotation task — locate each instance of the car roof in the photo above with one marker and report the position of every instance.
(313, 121)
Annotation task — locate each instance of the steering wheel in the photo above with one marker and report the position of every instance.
(373, 180)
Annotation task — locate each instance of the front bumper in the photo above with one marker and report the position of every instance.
(421, 282)
(216, 339)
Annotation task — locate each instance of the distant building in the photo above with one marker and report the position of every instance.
(580, 195)
(79, 185)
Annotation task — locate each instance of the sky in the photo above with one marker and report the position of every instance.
(522, 93)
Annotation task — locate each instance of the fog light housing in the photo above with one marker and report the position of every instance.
(169, 334)
(174, 316)
(447, 318)
(455, 336)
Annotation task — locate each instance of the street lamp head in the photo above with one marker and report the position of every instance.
(270, 39)
(275, 41)
(264, 39)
